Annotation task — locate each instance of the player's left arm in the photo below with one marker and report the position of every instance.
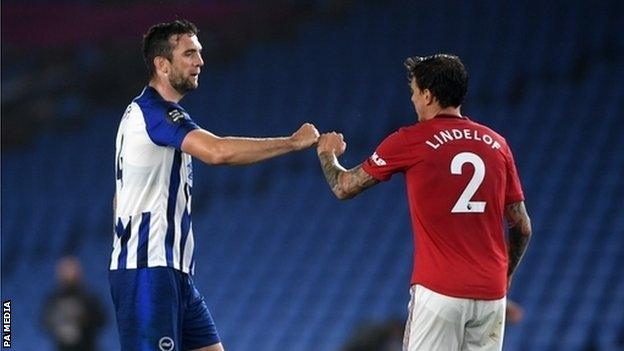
(519, 234)
(345, 184)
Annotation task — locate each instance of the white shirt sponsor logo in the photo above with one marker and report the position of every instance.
(176, 116)
(378, 160)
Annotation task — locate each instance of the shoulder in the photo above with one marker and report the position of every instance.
(488, 130)
(504, 147)
(399, 136)
(413, 133)
(408, 130)
(150, 102)
(400, 140)
(155, 109)
(485, 128)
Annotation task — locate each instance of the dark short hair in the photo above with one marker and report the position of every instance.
(444, 75)
(156, 41)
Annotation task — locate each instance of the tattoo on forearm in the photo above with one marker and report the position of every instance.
(518, 243)
(331, 170)
(519, 233)
(356, 180)
(345, 183)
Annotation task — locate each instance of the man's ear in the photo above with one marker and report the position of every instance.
(428, 96)
(161, 64)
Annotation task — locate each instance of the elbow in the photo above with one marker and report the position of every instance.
(343, 195)
(217, 157)
(528, 231)
(344, 190)
(208, 148)
(214, 160)
(520, 232)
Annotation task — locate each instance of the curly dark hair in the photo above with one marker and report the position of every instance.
(444, 75)
(156, 41)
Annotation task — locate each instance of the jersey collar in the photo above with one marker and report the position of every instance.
(444, 115)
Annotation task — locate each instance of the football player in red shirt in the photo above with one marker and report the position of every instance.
(461, 182)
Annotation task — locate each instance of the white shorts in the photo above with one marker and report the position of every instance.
(440, 322)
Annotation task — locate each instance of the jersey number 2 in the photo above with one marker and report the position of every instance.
(463, 204)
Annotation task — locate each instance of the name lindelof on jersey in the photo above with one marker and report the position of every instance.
(445, 136)
(175, 116)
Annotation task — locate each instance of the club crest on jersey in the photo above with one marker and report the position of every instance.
(175, 116)
(378, 160)
(166, 344)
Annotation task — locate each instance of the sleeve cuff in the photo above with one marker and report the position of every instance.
(368, 169)
(514, 198)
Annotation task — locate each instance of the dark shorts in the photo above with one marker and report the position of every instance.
(160, 309)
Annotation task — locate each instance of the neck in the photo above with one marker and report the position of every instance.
(164, 88)
(455, 111)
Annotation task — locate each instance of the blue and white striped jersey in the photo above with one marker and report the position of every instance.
(154, 181)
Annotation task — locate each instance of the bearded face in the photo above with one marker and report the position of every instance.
(185, 64)
(183, 83)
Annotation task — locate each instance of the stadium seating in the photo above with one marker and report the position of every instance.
(284, 265)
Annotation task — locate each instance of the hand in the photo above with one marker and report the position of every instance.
(305, 136)
(331, 142)
(513, 312)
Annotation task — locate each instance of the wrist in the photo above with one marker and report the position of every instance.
(291, 141)
(327, 153)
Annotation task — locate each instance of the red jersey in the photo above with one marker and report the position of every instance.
(459, 175)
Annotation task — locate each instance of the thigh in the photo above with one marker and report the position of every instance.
(198, 330)
(147, 307)
(435, 322)
(485, 331)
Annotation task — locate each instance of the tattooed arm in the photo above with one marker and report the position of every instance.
(345, 184)
(519, 234)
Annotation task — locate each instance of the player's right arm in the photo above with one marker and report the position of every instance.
(345, 184)
(216, 150)
(519, 234)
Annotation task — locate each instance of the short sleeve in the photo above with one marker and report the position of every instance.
(513, 191)
(168, 124)
(391, 156)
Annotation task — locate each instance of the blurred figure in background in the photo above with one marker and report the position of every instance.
(385, 336)
(388, 335)
(71, 315)
(514, 312)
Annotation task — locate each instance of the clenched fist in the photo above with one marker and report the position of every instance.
(305, 136)
(331, 142)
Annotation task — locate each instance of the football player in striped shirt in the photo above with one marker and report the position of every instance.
(156, 303)
(461, 182)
